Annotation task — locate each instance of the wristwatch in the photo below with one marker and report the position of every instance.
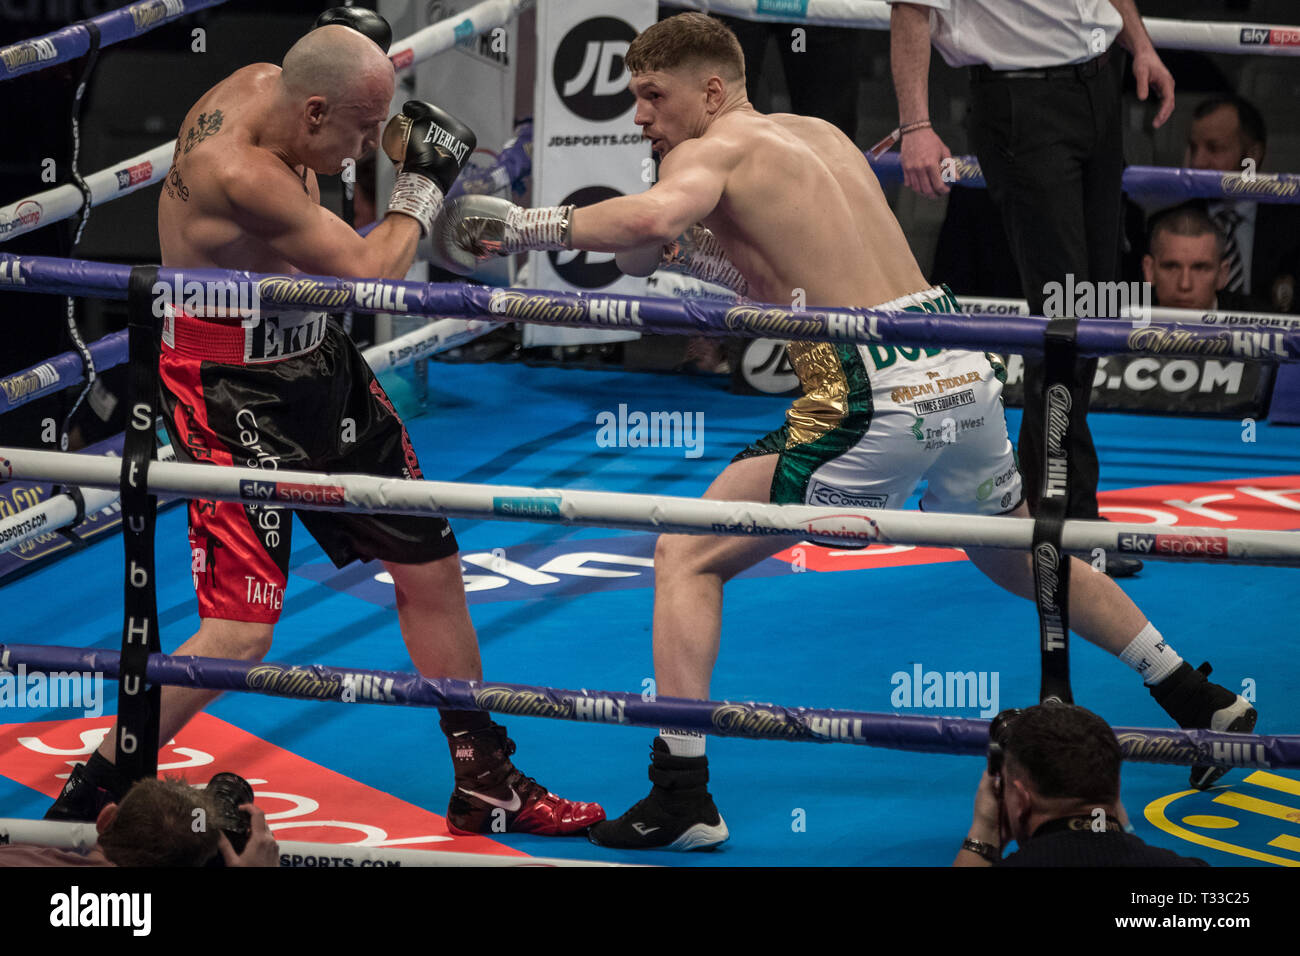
(986, 850)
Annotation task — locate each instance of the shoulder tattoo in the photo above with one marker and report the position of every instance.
(208, 124)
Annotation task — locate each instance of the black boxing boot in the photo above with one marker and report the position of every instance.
(92, 786)
(679, 813)
(1197, 704)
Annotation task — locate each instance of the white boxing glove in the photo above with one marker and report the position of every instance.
(475, 227)
(695, 252)
(641, 261)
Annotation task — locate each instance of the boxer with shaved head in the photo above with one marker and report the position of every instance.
(288, 389)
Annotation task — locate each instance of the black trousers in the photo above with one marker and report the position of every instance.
(1052, 154)
(822, 77)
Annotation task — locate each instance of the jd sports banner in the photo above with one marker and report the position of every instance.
(586, 147)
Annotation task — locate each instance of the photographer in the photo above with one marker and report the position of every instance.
(168, 823)
(1052, 785)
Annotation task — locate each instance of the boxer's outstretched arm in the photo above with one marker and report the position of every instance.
(475, 227)
(691, 180)
(267, 201)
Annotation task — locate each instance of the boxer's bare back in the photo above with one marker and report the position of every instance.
(790, 198)
(801, 209)
(242, 191)
(219, 139)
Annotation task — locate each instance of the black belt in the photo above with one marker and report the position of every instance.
(1080, 71)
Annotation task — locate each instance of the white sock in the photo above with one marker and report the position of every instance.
(683, 743)
(1151, 656)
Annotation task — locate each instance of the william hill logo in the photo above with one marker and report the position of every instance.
(293, 682)
(528, 703)
(29, 51)
(146, 15)
(301, 293)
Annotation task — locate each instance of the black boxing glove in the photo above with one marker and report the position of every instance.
(359, 19)
(430, 147)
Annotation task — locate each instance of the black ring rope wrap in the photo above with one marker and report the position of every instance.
(74, 334)
(139, 708)
(1051, 563)
(79, 500)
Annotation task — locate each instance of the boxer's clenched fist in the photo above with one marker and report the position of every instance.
(430, 147)
(366, 22)
(477, 227)
(695, 252)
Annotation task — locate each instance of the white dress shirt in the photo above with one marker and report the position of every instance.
(1020, 34)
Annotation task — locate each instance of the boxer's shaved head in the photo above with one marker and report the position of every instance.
(688, 40)
(339, 64)
(335, 89)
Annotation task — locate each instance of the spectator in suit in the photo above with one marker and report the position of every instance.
(1227, 133)
(1187, 266)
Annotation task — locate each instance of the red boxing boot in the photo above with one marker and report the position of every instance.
(492, 796)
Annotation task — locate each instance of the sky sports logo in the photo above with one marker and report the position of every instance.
(1262, 36)
(134, 175)
(1186, 544)
(291, 493)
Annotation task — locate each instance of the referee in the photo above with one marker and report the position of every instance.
(1045, 124)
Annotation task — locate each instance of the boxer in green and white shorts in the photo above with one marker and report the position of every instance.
(782, 209)
(874, 420)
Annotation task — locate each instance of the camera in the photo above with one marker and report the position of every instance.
(229, 791)
(999, 734)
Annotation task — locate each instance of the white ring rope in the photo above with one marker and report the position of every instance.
(446, 33)
(82, 837)
(659, 513)
(52, 514)
(60, 511)
(440, 335)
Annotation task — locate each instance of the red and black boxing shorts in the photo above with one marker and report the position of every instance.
(288, 391)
